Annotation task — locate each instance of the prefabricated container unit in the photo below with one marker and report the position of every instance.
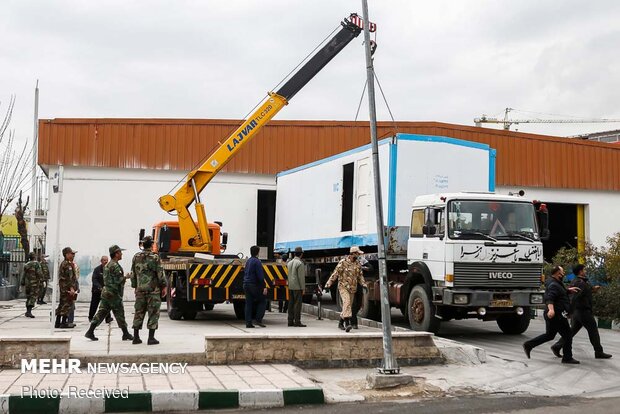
(330, 204)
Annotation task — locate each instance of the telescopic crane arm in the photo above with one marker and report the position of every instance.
(195, 235)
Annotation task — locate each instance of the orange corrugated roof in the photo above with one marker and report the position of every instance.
(526, 160)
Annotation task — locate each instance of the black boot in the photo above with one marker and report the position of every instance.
(126, 335)
(152, 340)
(347, 324)
(65, 325)
(341, 324)
(90, 334)
(57, 324)
(136, 337)
(28, 312)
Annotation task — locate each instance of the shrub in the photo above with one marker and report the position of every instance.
(602, 268)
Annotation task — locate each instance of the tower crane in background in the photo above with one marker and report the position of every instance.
(508, 122)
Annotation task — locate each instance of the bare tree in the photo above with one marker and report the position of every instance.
(14, 164)
(20, 209)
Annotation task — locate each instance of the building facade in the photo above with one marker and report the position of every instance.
(106, 176)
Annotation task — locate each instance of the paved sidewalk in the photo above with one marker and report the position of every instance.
(199, 387)
(176, 337)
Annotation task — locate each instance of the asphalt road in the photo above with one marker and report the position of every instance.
(465, 405)
(487, 335)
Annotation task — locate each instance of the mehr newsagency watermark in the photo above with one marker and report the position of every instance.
(74, 366)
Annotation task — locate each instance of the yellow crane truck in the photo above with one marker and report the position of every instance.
(198, 272)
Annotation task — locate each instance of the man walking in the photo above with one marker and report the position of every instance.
(582, 314)
(32, 280)
(111, 296)
(45, 271)
(255, 289)
(348, 272)
(97, 287)
(147, 278)
(556, 313)
(358, 298)
(67, 293)
(296, 287)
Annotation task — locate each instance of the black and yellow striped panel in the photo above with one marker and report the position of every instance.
(222, 275)
(274, 271)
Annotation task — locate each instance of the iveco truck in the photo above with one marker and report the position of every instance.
(455, 249)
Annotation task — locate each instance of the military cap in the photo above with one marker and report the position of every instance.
(113, 249)
(68, 250)
(355, 250)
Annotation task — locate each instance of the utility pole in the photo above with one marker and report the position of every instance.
(389, 365)
(33, 197)
(57, 183)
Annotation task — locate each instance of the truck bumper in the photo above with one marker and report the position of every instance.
(486, 298)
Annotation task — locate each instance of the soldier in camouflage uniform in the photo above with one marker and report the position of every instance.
(66, 283)
(31, 280)
(348, 272)
(46, 277)
(147, 277)
(111, 296)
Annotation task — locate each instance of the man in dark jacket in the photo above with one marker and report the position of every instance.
(582, 314)
(96, 290)
(556, 317)
(255, 289)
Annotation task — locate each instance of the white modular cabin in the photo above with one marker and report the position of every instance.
(330, 204)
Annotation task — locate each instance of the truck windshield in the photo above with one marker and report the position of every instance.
(492, 220)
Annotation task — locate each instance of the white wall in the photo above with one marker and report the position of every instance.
(601, 212)
(101, 207)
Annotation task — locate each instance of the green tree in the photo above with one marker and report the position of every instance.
(603, 269)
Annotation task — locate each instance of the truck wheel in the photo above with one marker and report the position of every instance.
(239, 306)
(209, 306)
(189, 315)
(174, 312)
(421, 310)
(514, 324)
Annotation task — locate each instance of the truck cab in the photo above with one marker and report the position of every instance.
(474, 255)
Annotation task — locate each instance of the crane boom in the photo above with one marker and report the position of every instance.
(195, 236)
(508, 122)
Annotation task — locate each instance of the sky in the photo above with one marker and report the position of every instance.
(446, 61)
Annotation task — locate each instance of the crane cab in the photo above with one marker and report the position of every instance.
(167, 237)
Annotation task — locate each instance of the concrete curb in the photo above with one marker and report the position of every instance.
(451, 351)
(168, 400)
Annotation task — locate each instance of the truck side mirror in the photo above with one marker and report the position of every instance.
(429, 230)
(224, 241)
(164, 239)
(542, 215)
(141, 235)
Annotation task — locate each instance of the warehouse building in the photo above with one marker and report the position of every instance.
(111, 172)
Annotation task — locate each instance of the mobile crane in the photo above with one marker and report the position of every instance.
(200, 283)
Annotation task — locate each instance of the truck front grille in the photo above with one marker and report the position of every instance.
(497, 275)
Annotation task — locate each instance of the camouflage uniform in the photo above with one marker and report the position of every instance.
(147, 277)
(31, 281)
(45, 270)
(66, 282)
(112, 295)
(348, 274)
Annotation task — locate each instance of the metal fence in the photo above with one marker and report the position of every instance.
(12, 259)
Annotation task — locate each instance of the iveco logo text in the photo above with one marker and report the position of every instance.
(500, 275)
